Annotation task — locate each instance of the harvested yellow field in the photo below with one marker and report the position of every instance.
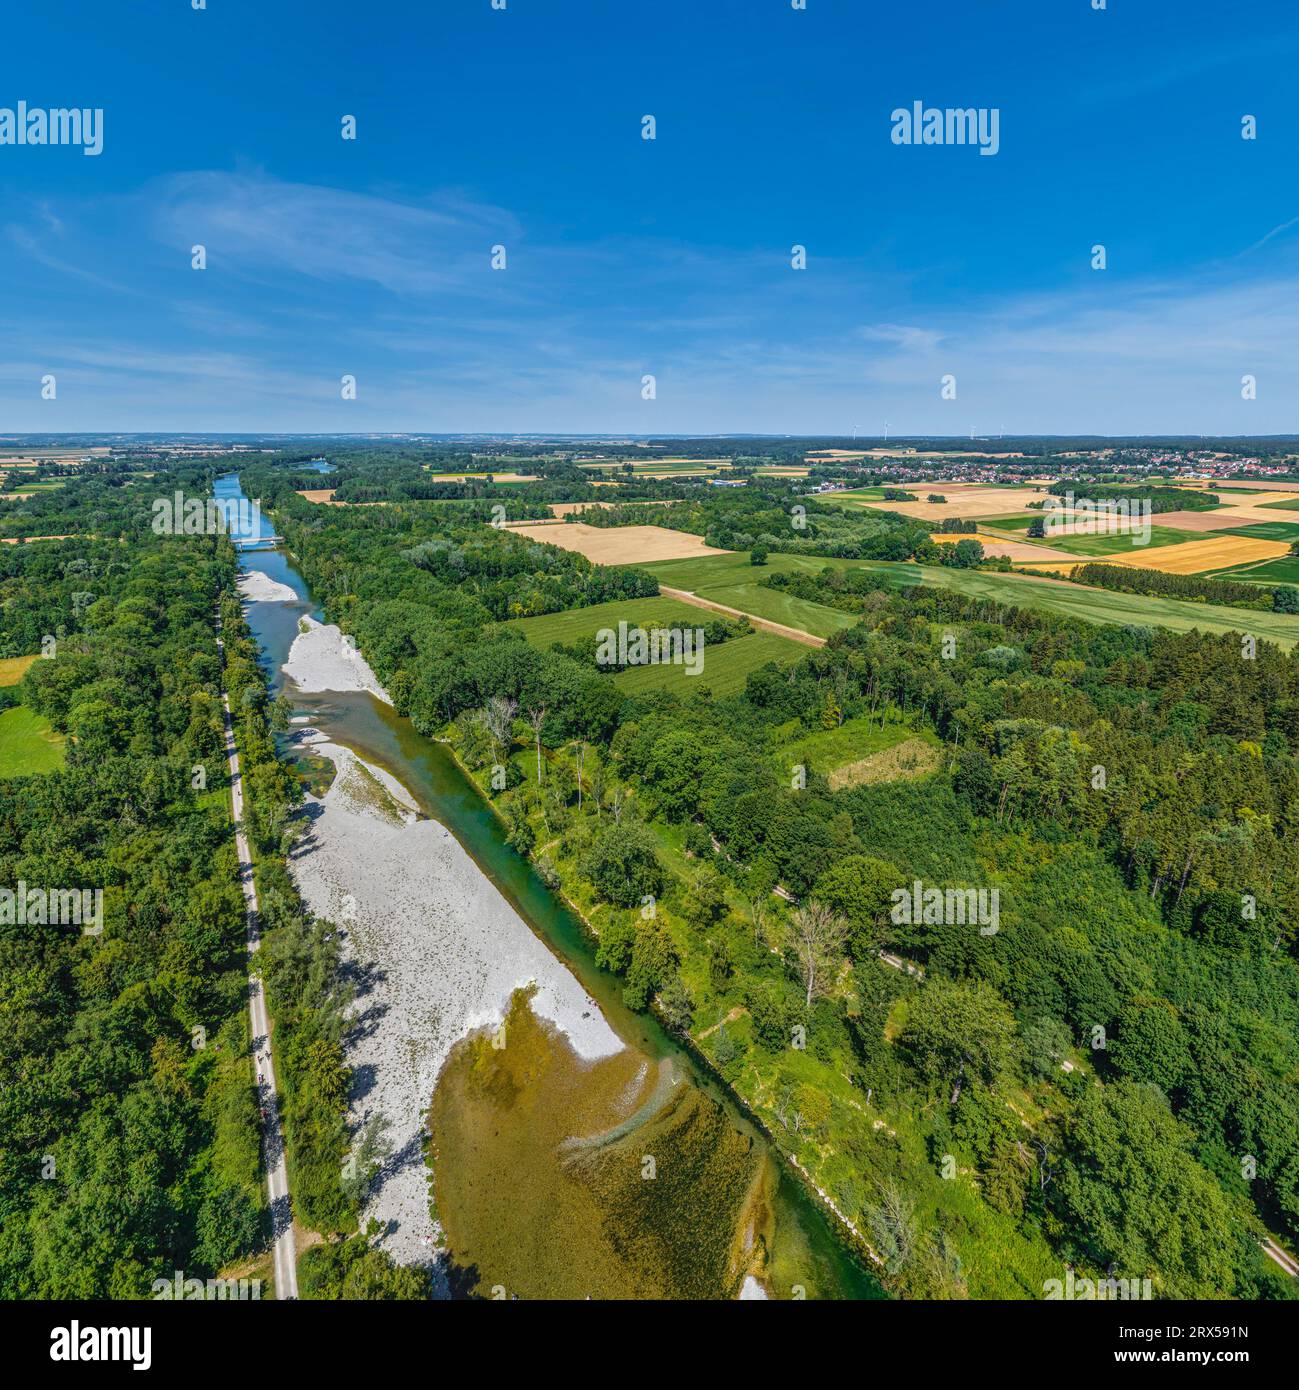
(564, 508)
(324, 496)
(997, 548)
(1193, 557)
(13, 668)
(482, 477)
(964, 500)
(619, 545)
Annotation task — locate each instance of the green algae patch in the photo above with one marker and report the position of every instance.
(559, 1178)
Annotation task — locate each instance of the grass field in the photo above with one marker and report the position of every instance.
(1289, 504)
(1106, 605)
(1096, 545)
(730, 579)
(728, 567)
(1268, 530)
(576, 623)
(28, 744)
(726, 667)
(14, 668)
(1282, 571)
(777, 607)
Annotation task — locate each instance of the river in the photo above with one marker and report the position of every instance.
(804, 1250)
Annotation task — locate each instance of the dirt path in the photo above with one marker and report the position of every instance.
(765, 624)
(273, 1149)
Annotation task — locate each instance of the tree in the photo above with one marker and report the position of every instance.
(622, 864)
(954, 1029)
(653, 964)
(678, 1007)
(860, 888)
(1285, 599)
(706, 899)
(892, 1225)
(758, 879)
(537, 717)
(1047, 1042)
(498, 719)
(1149, 1043)
(965, 554)
(758, 555)
(1136, 1201)
(819, 934)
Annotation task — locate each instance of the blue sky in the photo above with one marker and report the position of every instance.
(522, 127)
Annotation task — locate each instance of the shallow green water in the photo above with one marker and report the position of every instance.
(803, 1248)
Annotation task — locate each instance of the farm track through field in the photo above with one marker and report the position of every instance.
(765, 624)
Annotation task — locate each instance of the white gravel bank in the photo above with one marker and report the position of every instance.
(444, 952)
(321, 659)
(257, 587)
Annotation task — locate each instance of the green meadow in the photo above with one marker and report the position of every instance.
(828, 749)
(1266, 530)
(726, 666)
(1093, 545)
(575, 624)
(28, 744)
(1283, 570)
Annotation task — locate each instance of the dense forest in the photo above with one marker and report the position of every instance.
(129, 1128)
(129, 1140)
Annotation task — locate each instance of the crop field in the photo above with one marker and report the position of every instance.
(1217, 519)
(574, 624)
(1103, 605)
(707, 576)
(619, 545)
(965, 500)
(28, 744)
(1269, 530)
(1289, 504)
(726, 667)
(998, 548)
(14, 668)
(1282, 571)
(1192, 557)
(1103, 543)
(504, 477)
(777, 607)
